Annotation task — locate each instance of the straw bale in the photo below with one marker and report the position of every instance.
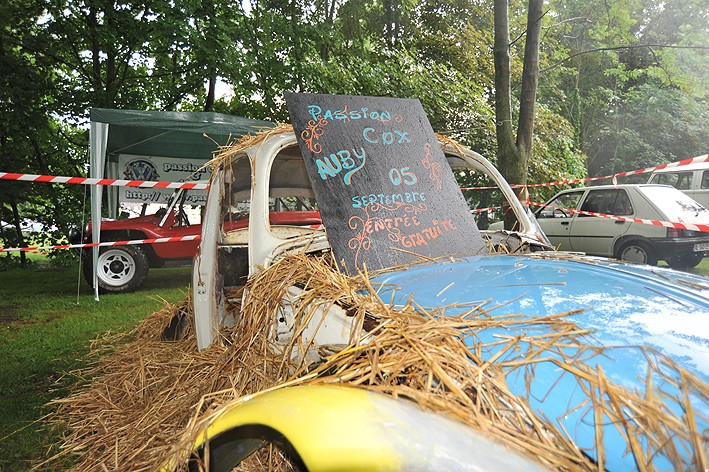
(144, 403)
(138, 398)
(224, 154)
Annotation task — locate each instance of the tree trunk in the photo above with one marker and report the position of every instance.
(530, 77)
(507, 156)
(503, 106)
(513, 154)
(40, 158)
(211, 89)
(92, 23)
(20, 237)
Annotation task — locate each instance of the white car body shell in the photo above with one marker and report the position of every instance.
(266, 242)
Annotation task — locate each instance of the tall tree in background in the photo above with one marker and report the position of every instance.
(513, 152)
(621, 68)
(31, 138)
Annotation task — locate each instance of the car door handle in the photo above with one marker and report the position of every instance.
(565, 223)
(618, 222)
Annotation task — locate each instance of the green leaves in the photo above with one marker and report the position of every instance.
(623, 82)
(623, 56)
(649, 125)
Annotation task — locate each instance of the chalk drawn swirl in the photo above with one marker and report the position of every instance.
(312, 133)
(361, 241)
(414, 208)
(434, 167)
(386, 116)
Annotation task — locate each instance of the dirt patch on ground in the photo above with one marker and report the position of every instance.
(8, 314)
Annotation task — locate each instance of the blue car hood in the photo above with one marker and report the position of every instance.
(624, 305)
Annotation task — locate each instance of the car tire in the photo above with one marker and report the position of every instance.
(120, 269)
(639, 252)
(685, 261)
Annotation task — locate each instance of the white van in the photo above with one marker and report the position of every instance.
(691, 179)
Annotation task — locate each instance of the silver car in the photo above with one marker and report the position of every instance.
(631, 241)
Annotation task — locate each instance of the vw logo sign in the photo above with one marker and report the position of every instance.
(141, 169)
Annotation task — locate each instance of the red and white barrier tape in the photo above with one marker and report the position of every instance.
(178, 239)
(200, 186)
(482, 210)
(684, 162)
(666, 224)
(53, 179)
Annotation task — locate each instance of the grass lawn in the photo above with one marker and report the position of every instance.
(702, 268)
(45, 331)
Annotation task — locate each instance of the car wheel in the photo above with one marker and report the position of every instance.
(120, 269)
(637, 251)
(684, 261)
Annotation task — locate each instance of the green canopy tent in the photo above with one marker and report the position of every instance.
(177, 135)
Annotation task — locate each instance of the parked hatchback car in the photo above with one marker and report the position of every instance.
(627, 240)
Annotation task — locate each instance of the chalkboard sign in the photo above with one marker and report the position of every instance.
(385, 191)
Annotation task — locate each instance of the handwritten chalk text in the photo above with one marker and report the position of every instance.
(389, 199)
(380, 224)
(317, 113)
(421, 238)
(404, 175)
(331, 165)
(387, 137)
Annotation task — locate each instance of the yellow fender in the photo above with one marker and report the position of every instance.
(343, 428)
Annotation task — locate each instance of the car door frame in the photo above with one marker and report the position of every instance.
(557, 227)
(597, 235)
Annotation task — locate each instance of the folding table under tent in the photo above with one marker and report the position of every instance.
(181, 135)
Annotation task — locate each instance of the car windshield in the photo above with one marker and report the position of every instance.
(676, 205)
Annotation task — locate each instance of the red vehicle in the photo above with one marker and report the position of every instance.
(124, 268)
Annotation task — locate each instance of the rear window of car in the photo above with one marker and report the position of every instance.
(676, 205)
(679, 180)
(705, 179)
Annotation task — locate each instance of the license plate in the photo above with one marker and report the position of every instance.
(701, 247)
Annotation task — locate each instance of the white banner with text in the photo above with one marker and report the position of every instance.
(157, 168)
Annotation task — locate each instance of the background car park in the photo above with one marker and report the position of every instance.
(627, 240)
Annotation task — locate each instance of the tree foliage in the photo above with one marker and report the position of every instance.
(622, 82)
(631, 78)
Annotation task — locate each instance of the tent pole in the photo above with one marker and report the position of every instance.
(98, 139)
(111, 168)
